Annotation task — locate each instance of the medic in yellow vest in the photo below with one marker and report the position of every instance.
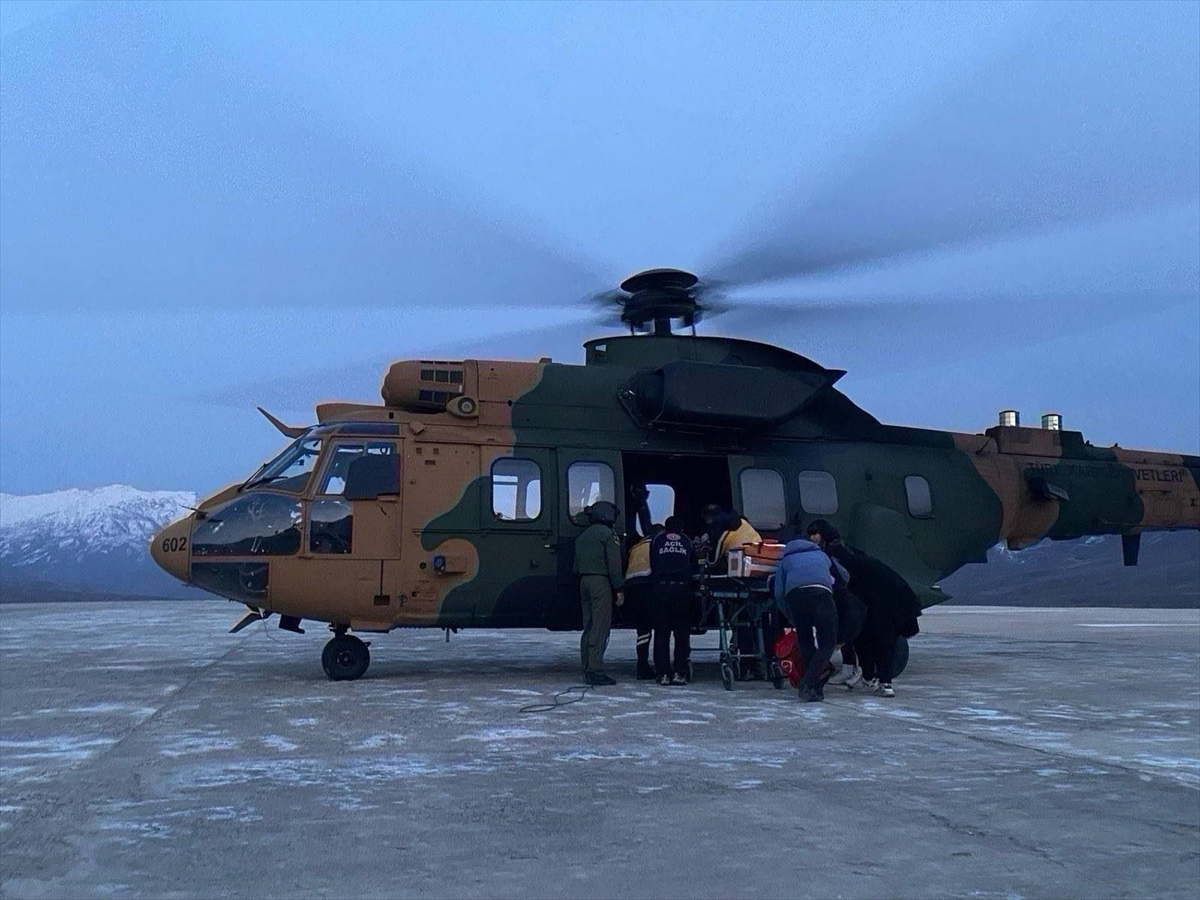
(725, 530)
(638, 600)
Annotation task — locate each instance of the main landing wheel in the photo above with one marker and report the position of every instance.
(345, 658)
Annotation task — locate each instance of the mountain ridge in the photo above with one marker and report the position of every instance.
(87, 540)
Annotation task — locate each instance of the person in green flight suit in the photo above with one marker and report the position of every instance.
(601, 580)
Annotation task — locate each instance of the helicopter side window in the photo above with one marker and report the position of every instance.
(920, 501)
(588, 483)
(818, 493)
(255, 524)
(763, 501)
(516, 490)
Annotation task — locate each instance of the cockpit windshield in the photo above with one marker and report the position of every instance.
(291, 469)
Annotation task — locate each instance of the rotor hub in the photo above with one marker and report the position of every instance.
(659, 297)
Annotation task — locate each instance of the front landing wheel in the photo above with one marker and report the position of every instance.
(345, 658)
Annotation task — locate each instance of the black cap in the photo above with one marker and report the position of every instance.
(822, 527)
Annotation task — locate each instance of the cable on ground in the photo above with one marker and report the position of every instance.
(557, 702)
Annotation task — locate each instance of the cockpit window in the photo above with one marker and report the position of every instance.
(333, 482)
(290, 470)
(257, 524)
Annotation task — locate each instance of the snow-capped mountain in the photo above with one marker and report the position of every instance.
(91, 540)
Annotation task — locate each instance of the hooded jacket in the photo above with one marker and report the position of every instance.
(803, 565)
(889, 597)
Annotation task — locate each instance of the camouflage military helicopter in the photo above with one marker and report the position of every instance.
(455, 502)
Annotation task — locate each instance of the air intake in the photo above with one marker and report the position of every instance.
(1009, 418)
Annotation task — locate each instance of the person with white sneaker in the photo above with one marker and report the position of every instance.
(803, 591)
(848, 674)
(852, 612)
(890, 603)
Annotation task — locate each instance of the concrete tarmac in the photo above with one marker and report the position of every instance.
(1029, 753)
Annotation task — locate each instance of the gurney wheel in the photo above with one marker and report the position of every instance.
(727, 676)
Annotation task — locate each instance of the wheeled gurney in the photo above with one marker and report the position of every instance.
(737, 607)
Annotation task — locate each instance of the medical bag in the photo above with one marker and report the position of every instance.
(787, 652)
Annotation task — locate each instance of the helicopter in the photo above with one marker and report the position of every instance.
(456, 501)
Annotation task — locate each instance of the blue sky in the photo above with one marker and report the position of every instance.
(174, 252)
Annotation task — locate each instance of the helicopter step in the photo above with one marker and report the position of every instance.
(345, 657)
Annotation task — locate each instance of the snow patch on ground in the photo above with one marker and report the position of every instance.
(59, 747)
(499, 735)
(197, 743)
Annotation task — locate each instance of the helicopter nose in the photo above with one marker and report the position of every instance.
(170, 548)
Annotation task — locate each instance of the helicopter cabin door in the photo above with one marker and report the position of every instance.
(584, 477)
(516, 543)
(354, 525)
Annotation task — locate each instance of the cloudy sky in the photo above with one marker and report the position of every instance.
(206, 206)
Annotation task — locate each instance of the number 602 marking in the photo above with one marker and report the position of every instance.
(174, 545)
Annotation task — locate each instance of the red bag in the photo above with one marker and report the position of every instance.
(787, 651)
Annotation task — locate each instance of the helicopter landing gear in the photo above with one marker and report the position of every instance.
(345, 657)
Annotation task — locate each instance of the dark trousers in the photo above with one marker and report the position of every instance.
(813, 609)
(672, 618)
(643, 647)
(877, 648)
(848, 656)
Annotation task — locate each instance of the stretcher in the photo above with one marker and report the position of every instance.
(737, 607)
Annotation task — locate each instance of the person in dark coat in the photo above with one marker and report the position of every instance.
(852, 612)
(672, 562)
(892, 611)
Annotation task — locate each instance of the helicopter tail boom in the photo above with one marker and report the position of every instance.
(1053, 484)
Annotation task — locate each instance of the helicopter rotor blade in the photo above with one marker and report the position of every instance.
(904, 333)
(244, 197)
(360, 380)
(1096, 117)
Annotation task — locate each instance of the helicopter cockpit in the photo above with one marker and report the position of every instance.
(300, 501)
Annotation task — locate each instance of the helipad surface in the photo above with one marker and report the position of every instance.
(1030, 753)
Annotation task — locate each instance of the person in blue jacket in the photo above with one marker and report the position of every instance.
(803, 591)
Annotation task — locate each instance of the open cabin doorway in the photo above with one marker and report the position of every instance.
(680, 484)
